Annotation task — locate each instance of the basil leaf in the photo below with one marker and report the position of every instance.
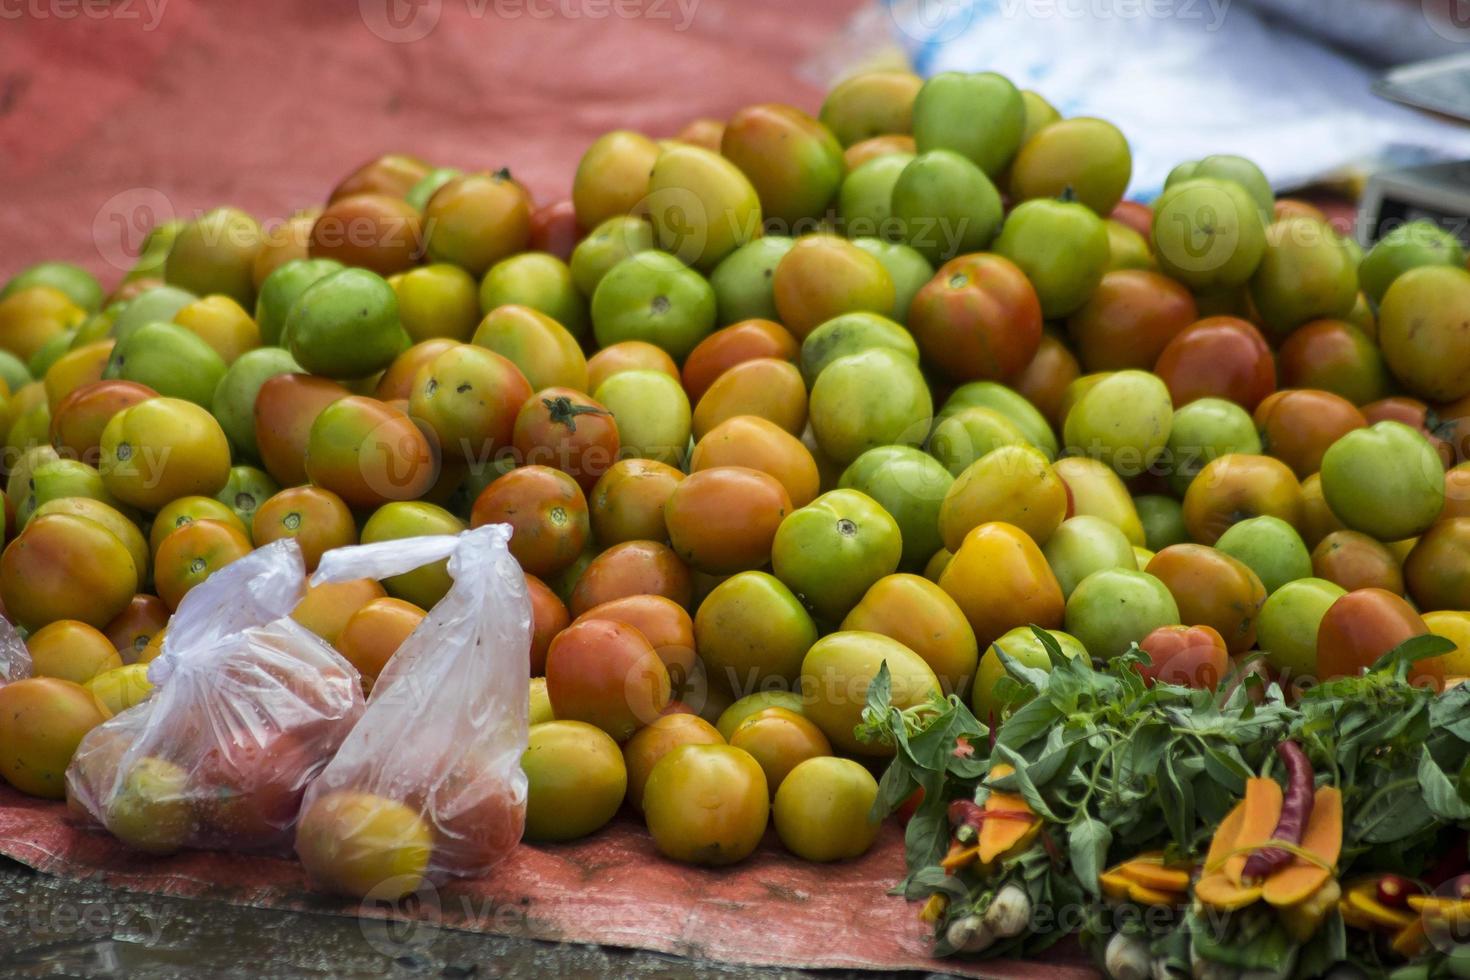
(1089, 840)
(1440, 794)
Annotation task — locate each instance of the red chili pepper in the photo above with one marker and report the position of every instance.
(1296, 809)
(965, 813)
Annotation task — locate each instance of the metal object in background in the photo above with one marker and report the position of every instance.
(1382, 32)
(1438, 193)
(1441, 85)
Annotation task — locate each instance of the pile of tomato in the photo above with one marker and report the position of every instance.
(768, 404)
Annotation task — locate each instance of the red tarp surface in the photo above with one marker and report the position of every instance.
(613, 889)
(159, 109)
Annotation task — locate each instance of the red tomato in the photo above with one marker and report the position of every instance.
(978, 319)
(1220, 357)
(1191, 656)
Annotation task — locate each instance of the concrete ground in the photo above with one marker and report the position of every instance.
(52, 927)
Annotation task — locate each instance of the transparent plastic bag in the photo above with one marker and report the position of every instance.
(429, 782)
(15, 658)
(247, 707)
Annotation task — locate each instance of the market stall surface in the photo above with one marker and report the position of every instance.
(59, 927)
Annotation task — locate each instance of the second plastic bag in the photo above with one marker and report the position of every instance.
(429, 785)
(248, 706)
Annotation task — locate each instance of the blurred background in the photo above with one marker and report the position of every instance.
(119, 114)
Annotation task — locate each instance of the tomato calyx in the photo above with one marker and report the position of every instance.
(561, 410)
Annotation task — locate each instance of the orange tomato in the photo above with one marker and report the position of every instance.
(130, 630)
(632, 568)
(318, 519)
(766, 386)
(1191, 656)
(758, 444)
(747, 340)
(606, 674)
(1438, 568)
(326, 608)
(1362, 626)
(1129, 320)
(664, 624)
(1000, 580)
(193, 552)
(627, 503)
(547, 514)
(1298, 425)
(374, 633)
(724, 520)
(549, 617)
(1238, 486)
(1355, 561)
(1212, 589)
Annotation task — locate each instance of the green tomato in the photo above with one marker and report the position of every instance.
(823, 809)
(909, 484)
(438, 300)
(216, 254)
(1286, 629)
(575, 780)
(701, 205)
(538, 280)
(852, 333)
(1206, 429)
(418, 195)
(13, 371)
(1112, 609)
(1125, 420)
(1083, 545)
(1386, 481)
(742, 282)
(282, 288)
(832, 550)
(171, 360)
(981, 116)
(79, 285)
(874, 398)
(58, 479)
(906, 266)
(156, 245)
(970, 433)
(1226, 166)
(652, 412)
(1081, 159)
(233, 402)
(157, 305)
(1127, 249)
(426, 585)
(1406, 247)
(1305, 274)
(944, 205)
(346, 325)
(1163, 519)
(246, 489)
(1062, 247)
(1010, 403)
(655, 298)
(609, 243)
(865, 203)
(1208, 233)
(1039, 114)
(50, 352)
(1270, 547)
(1022, 646)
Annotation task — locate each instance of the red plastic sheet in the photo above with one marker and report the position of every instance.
(612, 889)
(116, 116)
